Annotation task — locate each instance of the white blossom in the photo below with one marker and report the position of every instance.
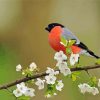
(50, 79)
(51, 71)
(40, 83)
(99, 83)
(21, 87)
(94, 90)
(63, 68)
(56, 72)
(84, 88)
(60, 56)
(65, 71)
(18, 67)
(23, 73)
(87, 88)
(59, 85)
(23, 90)
(29, 92)
(32, 66)
(74, 59)
(48, 95)
(55, 94)
(61, 64)
(17, 93)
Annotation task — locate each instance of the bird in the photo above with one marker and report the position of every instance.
(57, 31)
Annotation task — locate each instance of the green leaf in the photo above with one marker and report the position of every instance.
(68, 50)
(23, 98)
(71, 42)
(51, 89)
(74, 77)
(64, 41)
(77, 73)
(97, 61)
(27, 72)
(93, 81)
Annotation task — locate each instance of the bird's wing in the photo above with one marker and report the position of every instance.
(82, 45)
(68, 35)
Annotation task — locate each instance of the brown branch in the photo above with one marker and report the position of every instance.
(25, 79)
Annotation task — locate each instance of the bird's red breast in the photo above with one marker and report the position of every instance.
(55, 39)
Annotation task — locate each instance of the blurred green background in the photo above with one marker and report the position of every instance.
(23, 38)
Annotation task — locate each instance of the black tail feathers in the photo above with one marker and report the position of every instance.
(84, 47)
(93, 54)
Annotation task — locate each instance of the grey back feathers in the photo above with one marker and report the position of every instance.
(68, 35)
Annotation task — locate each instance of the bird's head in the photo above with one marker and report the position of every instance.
(52, 25)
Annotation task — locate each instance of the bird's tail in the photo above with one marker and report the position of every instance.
(93, 54)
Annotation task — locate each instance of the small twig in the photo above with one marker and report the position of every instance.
(25, 79)
(88, 73)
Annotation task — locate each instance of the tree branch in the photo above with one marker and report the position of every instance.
(25, 79)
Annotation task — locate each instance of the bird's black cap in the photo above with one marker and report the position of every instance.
(52, 25)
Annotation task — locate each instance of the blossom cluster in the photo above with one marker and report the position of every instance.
(86, 88)
(53, 85)
(50, 79)
(62, 65)
(23, 90)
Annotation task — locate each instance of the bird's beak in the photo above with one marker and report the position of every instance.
(47, 28)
